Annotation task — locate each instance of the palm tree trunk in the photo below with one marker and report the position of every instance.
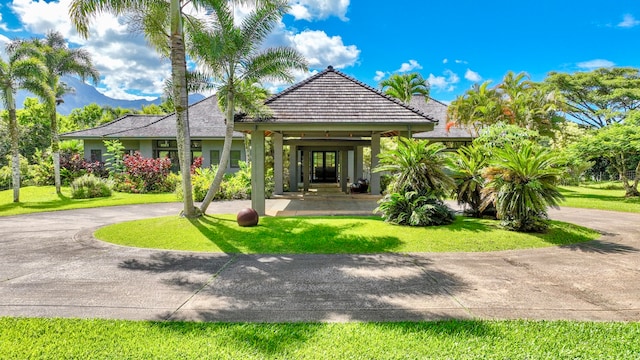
(180, 94)
(224, 157)
(15, 151)
(55, 145)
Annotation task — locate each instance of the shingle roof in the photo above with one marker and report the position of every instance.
(438, 110)
(206, 121)
(332, 97)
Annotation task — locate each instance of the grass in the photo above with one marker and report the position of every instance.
(605, 196)
(329, 235)
(44, 198)
(22, 338)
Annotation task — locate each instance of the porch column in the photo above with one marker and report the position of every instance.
(344, 169)
(306, 170)
(374, 183)
(277, 164)
(257, 172)
(293, 168)
(359, 164)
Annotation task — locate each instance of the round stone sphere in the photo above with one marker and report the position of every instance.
(247, 217)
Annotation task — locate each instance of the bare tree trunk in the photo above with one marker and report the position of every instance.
(224, 157)
(181, 102)
(15, 151)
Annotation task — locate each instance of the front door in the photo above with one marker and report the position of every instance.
(324, 166)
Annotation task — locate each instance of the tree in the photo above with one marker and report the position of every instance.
(515, 100)
(87, 116)
(521, 185)
(620, 145)
(232, 55)
(600, 97)
(162, 23)
(17, 72)
(404, 86)
(59, 60)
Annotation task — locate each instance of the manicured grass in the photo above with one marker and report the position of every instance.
(107, 339)
(599, 196)
(328, 235)
(44, 198)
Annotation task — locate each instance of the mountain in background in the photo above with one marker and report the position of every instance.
(86, 94)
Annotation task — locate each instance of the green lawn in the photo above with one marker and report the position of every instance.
(608, 196)
(327, 235)
(44, 198)
(108, 339)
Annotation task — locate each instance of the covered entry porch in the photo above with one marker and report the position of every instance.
(326, 122)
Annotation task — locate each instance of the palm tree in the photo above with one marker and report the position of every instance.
(59, 60)
(522, 185)
(476, 108)
(166, 27)
(232, 55)
(17, 72)
(416, 166)
(404, 86)
(468, 165)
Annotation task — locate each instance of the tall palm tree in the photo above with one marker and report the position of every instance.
(162, 23)
(233, 56)
(17, 72)
(522, 185)
(404, 86)
(59, 60)
(416, 166)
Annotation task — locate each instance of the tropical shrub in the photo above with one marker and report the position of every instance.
(114, 157)
(414, 209)
(468, 165)
(73, 166)
(90, 186)
(144, 175)
(416, 165)
(6, 180)
(521, 185)
(41, 172)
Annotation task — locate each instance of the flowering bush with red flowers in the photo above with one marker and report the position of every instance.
(197, 164)
(143, 175)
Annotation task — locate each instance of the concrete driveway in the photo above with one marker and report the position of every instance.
(50, 266)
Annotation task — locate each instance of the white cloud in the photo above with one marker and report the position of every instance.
(595, 64)
(461, 62)
(628, 21)
(472, 76)
(319, 9)
(411, 65)
(126, 63)
(379, 75)
(322, 50)
(444, 83)
(445, 60)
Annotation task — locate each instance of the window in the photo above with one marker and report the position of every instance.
(235, 158)
(96, 155)
(215, 157)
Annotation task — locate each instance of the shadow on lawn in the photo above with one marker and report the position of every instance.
(292, 235)
(42, 205)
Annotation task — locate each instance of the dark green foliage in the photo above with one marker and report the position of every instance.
(89, 186)
(468, 165)
(522, 184)
(414, 209)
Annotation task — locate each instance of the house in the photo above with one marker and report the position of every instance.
(155, 136)
(325, 122)
(453, 137)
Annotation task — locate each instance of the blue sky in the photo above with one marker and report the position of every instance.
(452, 44)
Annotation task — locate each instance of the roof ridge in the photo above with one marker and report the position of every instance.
(371, 88)
(331, 69)
(162, 117)
(105, 124)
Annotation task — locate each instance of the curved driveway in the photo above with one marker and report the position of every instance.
(50, 266)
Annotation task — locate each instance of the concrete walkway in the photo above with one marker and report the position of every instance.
(50, 266)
